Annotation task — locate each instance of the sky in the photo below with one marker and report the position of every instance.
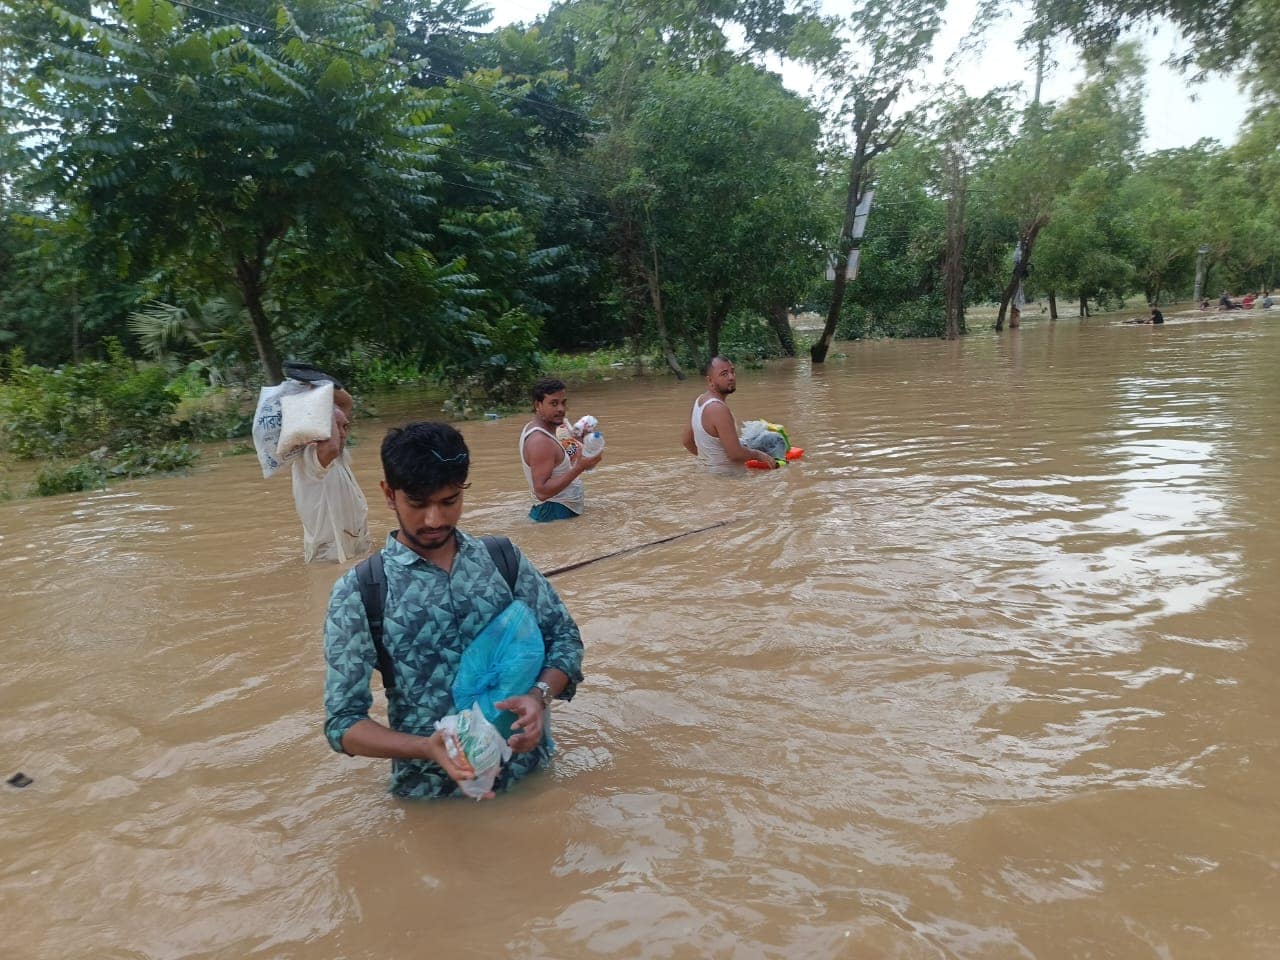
(1177, 112)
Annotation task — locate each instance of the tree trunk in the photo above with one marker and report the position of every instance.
(1084, 304)
(249, 282)
(781, 327)
(1028, 240)
(954, 265)
(76, 321)
(715, 321)
(1053, 305)
(857, 187)
(1006, 295)
(660, 317)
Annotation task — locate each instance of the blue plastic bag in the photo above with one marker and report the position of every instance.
(504, 660)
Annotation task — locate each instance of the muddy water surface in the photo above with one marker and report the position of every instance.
(992, 673)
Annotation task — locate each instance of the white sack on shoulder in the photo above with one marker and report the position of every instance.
(305, 418)
(266, 424)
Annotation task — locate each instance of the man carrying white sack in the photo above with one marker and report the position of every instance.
(330, 504)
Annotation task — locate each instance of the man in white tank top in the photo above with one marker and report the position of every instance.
(711, 434)
(553, 475)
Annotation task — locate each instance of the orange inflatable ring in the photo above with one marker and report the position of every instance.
(795, 453)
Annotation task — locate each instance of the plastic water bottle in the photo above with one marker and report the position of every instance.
(592, 444)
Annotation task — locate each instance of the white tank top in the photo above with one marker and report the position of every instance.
(571, 496)
(710, 449)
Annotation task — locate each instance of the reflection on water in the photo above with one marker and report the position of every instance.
(990, 673)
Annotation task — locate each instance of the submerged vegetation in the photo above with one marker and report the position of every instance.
(192, 193)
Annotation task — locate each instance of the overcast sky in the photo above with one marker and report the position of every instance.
(1178, 113)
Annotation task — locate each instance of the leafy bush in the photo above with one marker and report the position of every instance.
(854, 322)
(83, 475)
(66, 412)
(379, 373)
(747, 337)
(923, 317)
(209, 413)
(491, 363)
(93, 471)
(98, 421)
(599, 364)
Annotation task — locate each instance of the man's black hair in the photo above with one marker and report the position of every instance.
(706, 367)
(545, 386)
(423, 457)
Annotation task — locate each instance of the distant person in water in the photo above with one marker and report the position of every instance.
(329, 501)
(712, 434)
(553, 474)
(1156, 315)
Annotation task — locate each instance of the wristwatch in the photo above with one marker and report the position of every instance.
(544, 692)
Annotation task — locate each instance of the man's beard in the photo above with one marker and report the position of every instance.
(434, 542)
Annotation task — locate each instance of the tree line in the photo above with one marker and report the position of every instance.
(365, 183)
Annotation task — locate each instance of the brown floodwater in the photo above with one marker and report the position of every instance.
(993, 672)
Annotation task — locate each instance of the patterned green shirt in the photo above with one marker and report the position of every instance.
(430, 618)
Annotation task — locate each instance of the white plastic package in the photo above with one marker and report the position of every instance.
(482, 745)
(305, 418)
(266, 424)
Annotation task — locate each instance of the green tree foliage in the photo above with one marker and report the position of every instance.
(1221, 35)
(885, 44)
(55, 301)
(1097, 128)
(244, 154)
(635, 63)
(899, 287)
(721, 181)
(391, 189)
(97, 420)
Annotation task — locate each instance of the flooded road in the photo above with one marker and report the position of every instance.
(993, 672)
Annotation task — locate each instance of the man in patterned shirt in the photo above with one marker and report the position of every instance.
(443, 587)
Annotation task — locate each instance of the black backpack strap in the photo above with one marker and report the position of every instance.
(372, 580)
(504, 556)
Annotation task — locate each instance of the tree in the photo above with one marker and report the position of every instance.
(968, 129)
(887, 41)
(722, 180)
(220, 150)
(1087, 244)
(1221, 34)
(1099, 126)
(621, 54)
(1163, 228)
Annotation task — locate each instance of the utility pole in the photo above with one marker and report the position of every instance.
(1201, 253)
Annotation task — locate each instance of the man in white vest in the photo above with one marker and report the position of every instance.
(553, 473)
(711, 434)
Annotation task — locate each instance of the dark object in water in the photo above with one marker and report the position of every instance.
(19, 779)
